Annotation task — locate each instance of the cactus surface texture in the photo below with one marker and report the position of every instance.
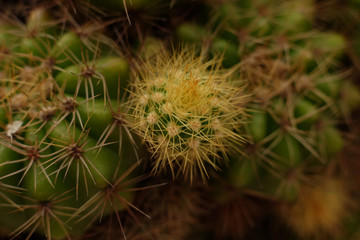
(169, 119)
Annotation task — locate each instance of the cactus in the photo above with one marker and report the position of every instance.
(297, 101)
(308, 217)
(231, 116)
(188, 112)
(55, 161)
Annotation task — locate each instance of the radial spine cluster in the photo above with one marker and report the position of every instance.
(188, 111)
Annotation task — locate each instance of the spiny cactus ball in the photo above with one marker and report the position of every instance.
(187, 111)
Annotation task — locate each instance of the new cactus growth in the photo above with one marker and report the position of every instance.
(188, 111)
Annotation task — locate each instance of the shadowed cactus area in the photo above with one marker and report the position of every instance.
(166, 119)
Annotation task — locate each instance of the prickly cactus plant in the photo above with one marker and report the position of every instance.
(225, 119)
(298, 103)
(59, 95)
(188, 112)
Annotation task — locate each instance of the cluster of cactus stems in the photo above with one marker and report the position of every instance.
(227, 122)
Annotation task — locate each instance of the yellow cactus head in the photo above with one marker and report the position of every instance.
(187, 111)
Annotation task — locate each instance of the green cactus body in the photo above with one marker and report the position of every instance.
(242, 173)
(188, 32)
(257, 126)
(307, 112)
(195, 34)
(7, 154)
(102, 77)
(79, 149)
(349, 98)
(228, 49)
(52, 142)
(69, 44)
(11, 221)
